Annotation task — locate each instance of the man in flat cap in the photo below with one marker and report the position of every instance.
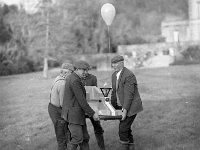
(125, 96)
(91, 80)
(75, 107)
(55, 106)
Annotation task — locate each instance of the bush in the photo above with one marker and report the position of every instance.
(8, 67)
(189, 56)
(192, 53)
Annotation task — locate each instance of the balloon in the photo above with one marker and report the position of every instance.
(108, 13)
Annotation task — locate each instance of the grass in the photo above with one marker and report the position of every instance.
(170, 120)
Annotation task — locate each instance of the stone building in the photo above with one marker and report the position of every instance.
(178, 36)
(184, 30)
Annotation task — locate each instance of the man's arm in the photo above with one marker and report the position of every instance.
(61, 92)
(95, 81)
(80, 96)
(113, 93)
(129, 88)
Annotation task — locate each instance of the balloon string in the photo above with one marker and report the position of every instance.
(109, 46)
(109, 52)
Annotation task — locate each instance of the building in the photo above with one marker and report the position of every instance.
(184, 30)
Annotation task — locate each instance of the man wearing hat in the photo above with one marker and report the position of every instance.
(91, 80)
(55, 106)
(125, 96)
(75, 107)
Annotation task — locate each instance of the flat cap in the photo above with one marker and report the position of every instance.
(67, 66)
(82, 65)
(117, 59)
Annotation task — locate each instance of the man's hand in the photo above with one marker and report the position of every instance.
(96, 116)
(124, 112)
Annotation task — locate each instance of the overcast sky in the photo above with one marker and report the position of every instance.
(29, 5)
(11, 1)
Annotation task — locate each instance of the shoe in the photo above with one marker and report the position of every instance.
(71, 146)
(100, 141)
(84, 145)
(131, 142)
(124, 142)
(131, 145)
(123, 147)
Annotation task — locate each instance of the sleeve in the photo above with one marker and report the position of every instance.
(95, 81)
(113, 94)
(80, 96)
(129, 87)
(61, 91)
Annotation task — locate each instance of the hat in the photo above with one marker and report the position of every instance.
(81, 65)
(67, 66)
(117, 59)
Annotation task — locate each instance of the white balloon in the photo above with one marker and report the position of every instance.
(108, 13)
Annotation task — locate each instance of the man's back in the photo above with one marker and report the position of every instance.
(55, 106)
(75, 105)
(57, 91)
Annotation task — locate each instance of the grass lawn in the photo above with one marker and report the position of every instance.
(170, 120)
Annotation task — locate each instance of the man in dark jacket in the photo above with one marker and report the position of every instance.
(75, 107)
(91, 80)
(125, 96)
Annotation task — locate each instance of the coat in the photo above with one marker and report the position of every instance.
(127, 91)
(90, 80)
(75, 105)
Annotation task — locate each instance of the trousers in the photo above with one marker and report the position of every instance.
(60, 126)
(125, 132)
(98, 131)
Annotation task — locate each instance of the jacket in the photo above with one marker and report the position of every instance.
(89, 80)
(127, 91)
(75, 105)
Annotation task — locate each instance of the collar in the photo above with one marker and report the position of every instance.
(118, 73)
(62, 76)
(76, 75)
(86, 77)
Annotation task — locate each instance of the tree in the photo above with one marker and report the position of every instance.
(5, 30)
(5, 33)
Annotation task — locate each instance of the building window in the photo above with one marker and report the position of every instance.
(176, 36)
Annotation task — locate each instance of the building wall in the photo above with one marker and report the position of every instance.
(189, 30)
(194, 30)
(147, 55)
(194, 9)
(169, 28)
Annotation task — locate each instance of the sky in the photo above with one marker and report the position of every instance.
(29, 5)
(9, 2)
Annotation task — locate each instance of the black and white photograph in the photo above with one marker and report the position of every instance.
(99, 74)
